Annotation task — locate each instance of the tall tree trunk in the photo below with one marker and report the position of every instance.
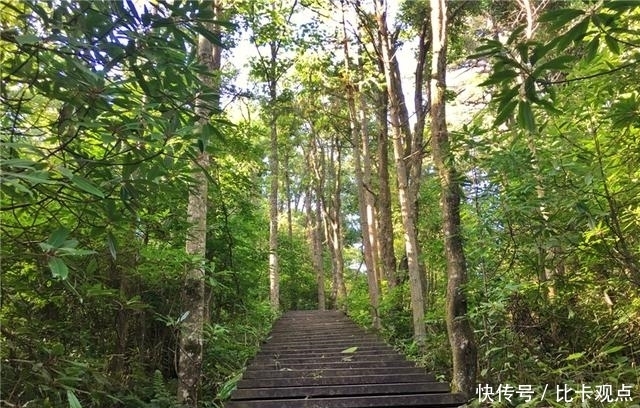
(385, 220)
(328, 172)
(193, 300)
(333, 220)
(288, 197)
(400, 129)
(314, 232)
(459, 328)
(315, 164)
(274, 270)
(546, 275)
(357, 138)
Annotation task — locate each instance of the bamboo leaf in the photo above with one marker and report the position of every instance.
(87, 186)
(350, 350)
(112, 244)
(208, 34)
(612, 350)
(505, 113)
(73, 400)
(526, 119)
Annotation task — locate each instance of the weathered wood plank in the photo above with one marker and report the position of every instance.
(396, 401)
(309, 381)
(303, 365)
(330, 372)
(341, 390)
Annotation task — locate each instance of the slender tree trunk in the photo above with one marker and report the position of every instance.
(357, 138)
(546, 275)
(400, 129)
(314, 232)
(274, 270)
(288, 198)
(385, 223)
(459, 328)
(334, 222)
(193, 299)
(369, 197)
(316, 165)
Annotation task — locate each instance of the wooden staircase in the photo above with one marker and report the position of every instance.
(321, 359)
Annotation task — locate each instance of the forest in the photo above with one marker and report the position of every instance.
(462, 177)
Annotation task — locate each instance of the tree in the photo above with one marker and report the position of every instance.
(91, 159)
(461, 339)
(194, 305)
(362, 166)
(270, 26)
(402, 133)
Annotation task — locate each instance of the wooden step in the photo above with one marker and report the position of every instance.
(324, 360)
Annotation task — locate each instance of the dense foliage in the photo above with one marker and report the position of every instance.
(98, 131)
(98, 137)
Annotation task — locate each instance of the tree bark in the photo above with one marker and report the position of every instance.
(459, 328)
(358, 136)
(333, 220)
(274, 270)
(193, 299)
(385, 223)
(314, 223)
(400, 126)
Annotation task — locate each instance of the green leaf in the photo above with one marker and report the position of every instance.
(87, 186)
(38, 177)
(58, 268)
(558, 18)
(530, 89)
(515, 33)
(27, 39)
(73, 400)
(549, 106)
(490, 47)
(523, 51)
(75, 252)
(112, 244)
(612, 43)
(526, 119)
(591, 50)
(208, 34)
(499, 77)
(620, 5)
(20, 163)
(574, 356)
(612, 350)
(505, 113)
(574, 34)
(141, 80)
(350, 350)
(58, 237)
(558, 63)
